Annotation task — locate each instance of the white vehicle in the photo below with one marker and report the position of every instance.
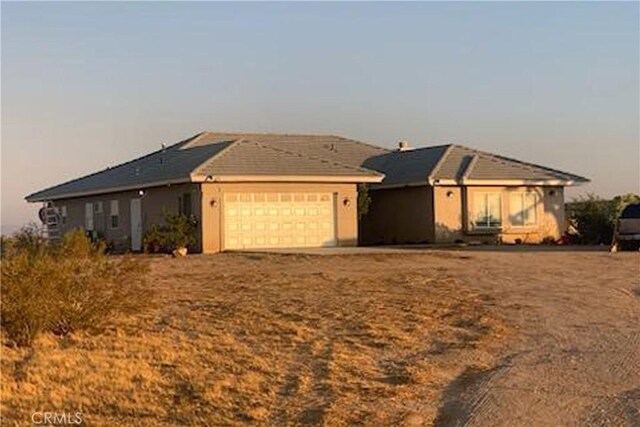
(626, 235)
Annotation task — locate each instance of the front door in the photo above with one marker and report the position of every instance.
(136, 225)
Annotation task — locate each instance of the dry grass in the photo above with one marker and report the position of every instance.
(266, 340)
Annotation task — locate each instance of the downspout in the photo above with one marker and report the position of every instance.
(464, 195)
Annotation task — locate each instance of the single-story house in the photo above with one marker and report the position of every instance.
(249, 190)
(452, 193)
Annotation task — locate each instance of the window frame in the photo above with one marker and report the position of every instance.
(89, 217)
(485, 195)
(114, 213)
(182, 203)
(522, 195)
(63, 214)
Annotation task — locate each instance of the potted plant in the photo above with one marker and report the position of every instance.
(180, 232)
(155, 239)
(174, 236)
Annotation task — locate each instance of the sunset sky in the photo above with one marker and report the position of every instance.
(87, 85)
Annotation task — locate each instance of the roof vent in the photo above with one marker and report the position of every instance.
(163, 149)
(404, 146)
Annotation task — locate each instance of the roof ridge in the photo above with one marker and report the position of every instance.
(247, 135)
(362, 143)
(470, 166)
(343, 165)
(441, 160)
(268, 133)
(232, 144)
(429, 147)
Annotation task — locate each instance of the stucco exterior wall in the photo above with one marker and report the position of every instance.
(212, 208)
(454, 215)
(154, 203)
(449, 215)
(402, 215)
(399, 215)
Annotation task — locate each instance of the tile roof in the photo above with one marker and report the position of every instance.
(214, 156)
(329, 147)
(166, 165)
(410, 166)
(457, 163)
(248, 157)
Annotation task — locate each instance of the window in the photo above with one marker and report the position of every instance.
(88, 216)
(184, 203)
(63, 214)
(114, 212)
(487, 210)
(98, 208)
(522, 209)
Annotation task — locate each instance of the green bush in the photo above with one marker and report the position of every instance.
(66, 287)
(594, 218)
(155, 240)
(178, 231)
(364, 200)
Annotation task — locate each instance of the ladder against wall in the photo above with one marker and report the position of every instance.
(50, 218)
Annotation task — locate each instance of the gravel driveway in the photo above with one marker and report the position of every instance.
(576, 358)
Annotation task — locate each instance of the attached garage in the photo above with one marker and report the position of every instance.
(244, 191)
(276, 220)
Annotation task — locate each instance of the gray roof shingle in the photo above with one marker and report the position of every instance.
(169, 165)
(213, 155)
(329, 147)
(248, 157)
(228, 154)
(456, 162)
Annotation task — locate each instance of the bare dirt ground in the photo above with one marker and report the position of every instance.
(440, 338)
(575, 360)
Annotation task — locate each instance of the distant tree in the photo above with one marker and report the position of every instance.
(595, 218)
(620, 202)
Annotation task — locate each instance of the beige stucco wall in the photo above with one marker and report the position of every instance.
(453, 217)
(448, 213)
(212, 208)
(154, 203)
(399, 215)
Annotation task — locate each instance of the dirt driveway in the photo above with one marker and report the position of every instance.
(576, 357)
(475, 337)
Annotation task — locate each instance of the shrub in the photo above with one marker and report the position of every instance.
(67, 287)
(155, 240)
(180, 230)
(364, 200)
(595, 218)
(177, 232)
(29, 239)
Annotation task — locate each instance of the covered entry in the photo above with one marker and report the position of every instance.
(276, 220)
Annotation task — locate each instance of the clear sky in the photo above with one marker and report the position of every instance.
(86, 85)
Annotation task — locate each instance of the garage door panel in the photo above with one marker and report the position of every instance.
(262, 220)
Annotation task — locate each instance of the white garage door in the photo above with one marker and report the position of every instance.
(278, 220)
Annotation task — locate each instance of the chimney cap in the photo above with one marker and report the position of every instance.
(404, 146)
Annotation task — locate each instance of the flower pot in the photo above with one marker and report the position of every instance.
(180, 252)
